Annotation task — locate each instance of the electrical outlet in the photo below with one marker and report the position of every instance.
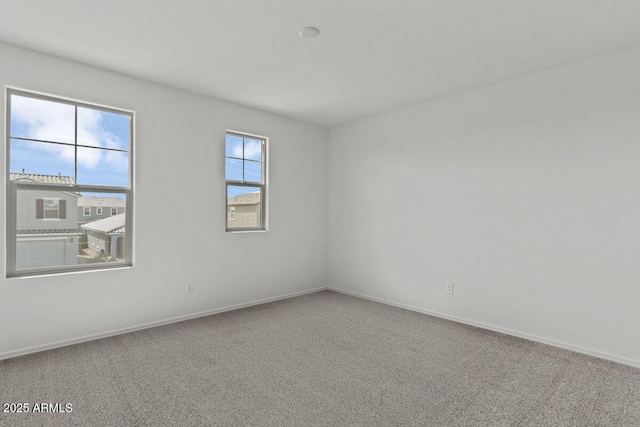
(189, 287)
(449, 288)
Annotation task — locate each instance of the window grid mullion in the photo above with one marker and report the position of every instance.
(68, 144)
(22, 138)
(75, 145)
(120, 150)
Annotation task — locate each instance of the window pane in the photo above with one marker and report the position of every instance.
(233, 170)
(103, 167)
(246, 205)
(70, 239)
(51, 203)
(44, 120)
(234, 146)
(33, 253)
(61, 144)
(41, 158)
(252, 171)
(98, 128)
(103, 239)
(253, 149)
(51, 208)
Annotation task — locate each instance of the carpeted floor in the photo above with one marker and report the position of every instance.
(320, 359)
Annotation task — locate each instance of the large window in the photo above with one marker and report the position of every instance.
(62, 153)
(245, 174)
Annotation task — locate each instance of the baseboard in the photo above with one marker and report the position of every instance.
(85, 338)
(507, 331)
(531, 337)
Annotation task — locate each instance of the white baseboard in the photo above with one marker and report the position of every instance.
(531, 337)
(105, 334)
(507, 331)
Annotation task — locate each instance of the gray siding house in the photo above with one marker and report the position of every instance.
(46, 224)
(244, 210)
(105, 237)
(94, 208)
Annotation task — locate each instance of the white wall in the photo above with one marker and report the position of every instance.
(525, 194)
(179, 213)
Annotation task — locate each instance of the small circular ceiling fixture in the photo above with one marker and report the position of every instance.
(309, 32)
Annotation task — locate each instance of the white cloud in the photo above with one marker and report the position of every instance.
(252, 149)
(237, 150)
(117, 159)
(89, 127)
(43, 119)
(51, 121)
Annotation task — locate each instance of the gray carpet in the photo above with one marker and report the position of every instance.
(320, 359)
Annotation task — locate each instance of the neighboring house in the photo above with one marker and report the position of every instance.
(244, 210)
(94, 208)
(106, 236)
(46, 223)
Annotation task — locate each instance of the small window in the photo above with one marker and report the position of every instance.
(60, 152)
(114, 211)
(245, 174)
(98, 211)
(48, 208)
(51, 208)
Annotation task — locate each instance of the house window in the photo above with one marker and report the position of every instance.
(98, 211)
(114, 211)
(60, 151)
(245, 175)
(50, 209)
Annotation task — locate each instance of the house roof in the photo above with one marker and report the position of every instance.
(47, 179)
(108, 202)
(244, 199)
(46, 231)
(112, 225)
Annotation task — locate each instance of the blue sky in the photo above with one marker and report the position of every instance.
(55, 122)
(97, 129)
(243, 162)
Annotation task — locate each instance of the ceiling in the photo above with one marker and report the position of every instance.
(371, 56)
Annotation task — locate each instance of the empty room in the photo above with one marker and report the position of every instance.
(320, 213)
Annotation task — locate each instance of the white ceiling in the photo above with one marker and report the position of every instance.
(371, 55)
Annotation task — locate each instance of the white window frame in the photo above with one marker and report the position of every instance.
(84, 211)
(13, 187)
(98, 211)
(114, 211)
(56, 210)
(251, 184)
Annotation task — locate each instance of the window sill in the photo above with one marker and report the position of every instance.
(245, 231)
(66, 273)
